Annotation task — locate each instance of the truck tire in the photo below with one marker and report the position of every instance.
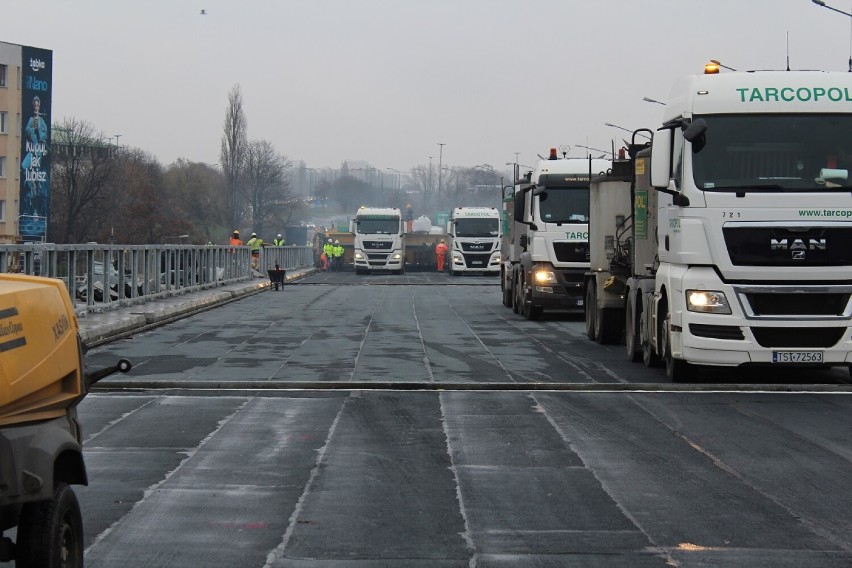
(608, 326)
(591, 307)
(631, 332)
(517, 300)
(507, 293)
(649, 357)
(50, 533)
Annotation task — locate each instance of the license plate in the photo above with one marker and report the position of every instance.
(475, 262)
(797, 356)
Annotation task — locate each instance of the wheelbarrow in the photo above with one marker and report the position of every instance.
(277, 276)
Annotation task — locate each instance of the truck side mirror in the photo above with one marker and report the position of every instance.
(523, 242)
(695, 133)
(519, 206)
(661, 159)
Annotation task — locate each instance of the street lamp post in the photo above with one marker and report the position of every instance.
(824, 5)
(611, 125)
(440, 156)
(117, 136)
(398, 178)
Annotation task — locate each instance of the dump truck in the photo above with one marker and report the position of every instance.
(740, 226)
(474, 240)
(43, 378)
(545, 252)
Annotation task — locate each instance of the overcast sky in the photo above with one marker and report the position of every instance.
(385, 81)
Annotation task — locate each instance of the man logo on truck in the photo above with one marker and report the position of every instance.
(797, 244)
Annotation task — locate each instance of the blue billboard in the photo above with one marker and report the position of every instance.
(36, 76)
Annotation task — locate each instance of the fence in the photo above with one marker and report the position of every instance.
(106, 276)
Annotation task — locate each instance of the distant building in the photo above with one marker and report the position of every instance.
(26, 81)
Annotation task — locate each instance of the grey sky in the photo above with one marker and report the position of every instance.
(385, 80)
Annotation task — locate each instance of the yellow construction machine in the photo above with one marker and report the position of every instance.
(43, 377)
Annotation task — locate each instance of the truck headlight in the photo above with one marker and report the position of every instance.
(495, 259)
(707, 301)
(545, 277)
(359, 255)
(397, 256)
(457, 258)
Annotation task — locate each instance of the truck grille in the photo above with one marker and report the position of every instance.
(768, 304)
(779, 246)
(477, 260)
(806, 337)
(571, 252)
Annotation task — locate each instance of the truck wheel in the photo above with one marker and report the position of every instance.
(507, 293)
(517, 299)
(677, 370)
(631, 333)
(650, 358)
(607, 326)
(50, 533)
(533, 312)
(591, 307)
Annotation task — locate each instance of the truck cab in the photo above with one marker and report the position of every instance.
(547, 246)
(379, 242)
(474, 240)
(754, 223)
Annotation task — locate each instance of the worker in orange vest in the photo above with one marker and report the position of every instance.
(441, 251)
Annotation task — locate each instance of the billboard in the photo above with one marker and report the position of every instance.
(36, 77)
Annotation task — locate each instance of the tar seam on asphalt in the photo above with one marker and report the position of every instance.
(297, 510)
(188, 455)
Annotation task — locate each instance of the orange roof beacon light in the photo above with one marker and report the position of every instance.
(711, 68)
(552, 154)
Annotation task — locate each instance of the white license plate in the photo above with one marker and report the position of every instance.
(476, 262)
(797, 356)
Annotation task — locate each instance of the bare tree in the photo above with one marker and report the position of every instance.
(82, 173)
(267, 185)
(233, 153)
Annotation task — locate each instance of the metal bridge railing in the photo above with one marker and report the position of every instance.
(102, 277)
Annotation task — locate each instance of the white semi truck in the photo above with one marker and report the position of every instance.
(545, 251)
(473, 235)
(740, 238)
(379, 242)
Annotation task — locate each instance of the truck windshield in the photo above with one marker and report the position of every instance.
(564, 205)
(775, 153)
(378, 225)
(477, 227)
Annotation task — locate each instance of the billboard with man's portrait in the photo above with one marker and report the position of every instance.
(36, 77)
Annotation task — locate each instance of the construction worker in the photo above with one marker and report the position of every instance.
(337, 255)
(236, 241)
(441, 251)
(328, 251)
(409, 218)
(255, 243)
(278, 241)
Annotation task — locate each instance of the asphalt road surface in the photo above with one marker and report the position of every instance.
(359, 421)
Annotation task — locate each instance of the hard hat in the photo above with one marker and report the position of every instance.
(329, 240)
(279, 235)
(336, 242)
(254, 234)
(236, 232)
(442, 240)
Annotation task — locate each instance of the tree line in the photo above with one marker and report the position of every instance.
(105, 193)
